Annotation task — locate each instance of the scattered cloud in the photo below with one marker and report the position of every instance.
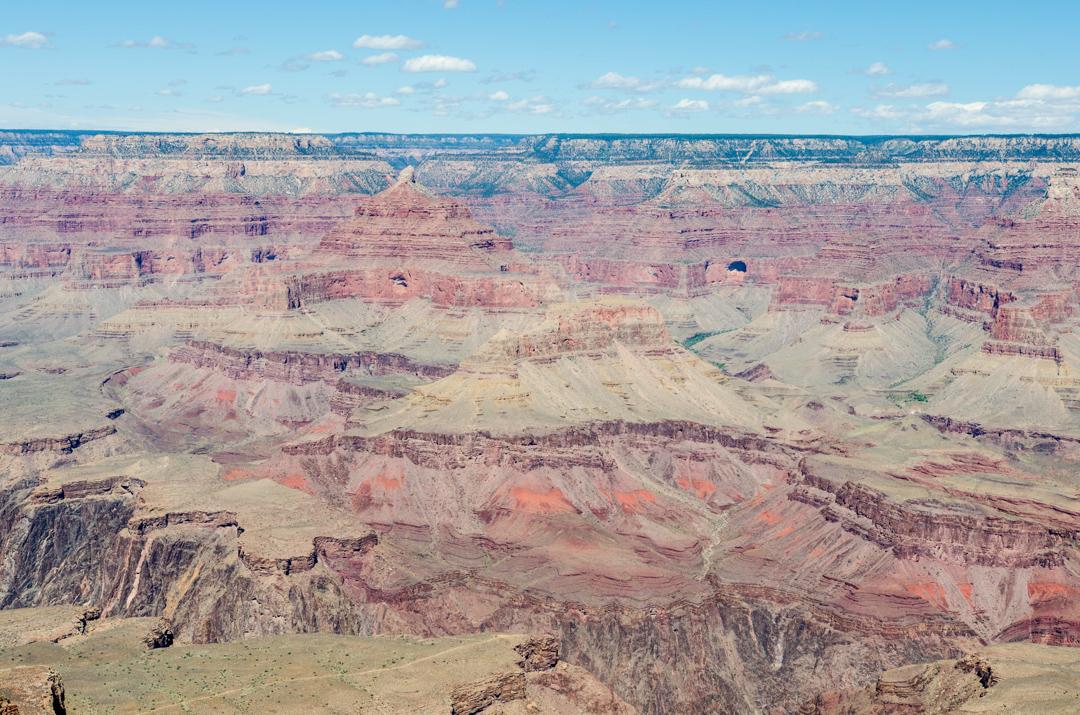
(450, 4)
(258, 89)
(500, 77)
(1013, 114)
(1036, 107)
(234, 52)
(790, 86)
(531, 105)
(881, 111)
(1049, 92)
(301, 130)
(294, 64)
(26, 40)
(748, 84)
(690, 105)
(614, 80)
(367, 100)
(725, 83)
(819, 106)
(606, 105)
(751, 101)
(383, 58)
(422, 87)
(919, 89)
(803, 36)
(387, 42)
(157, 42)
(72, 82)
(942, 44)
(326, 56)
(877, 69)
(499, 96)
(438, 63)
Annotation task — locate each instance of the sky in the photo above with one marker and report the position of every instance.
(528, 66)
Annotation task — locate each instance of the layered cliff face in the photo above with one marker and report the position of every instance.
(744, 422)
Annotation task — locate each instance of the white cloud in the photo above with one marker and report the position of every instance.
(538, 104)
(803, 36)
(438, 63)
(387, 42)
(819, 106)
(258, 89)
(877, 69)
(614, 80)
(368, 100)
(790, 86)
(499, 96)
(719, 82)
(1033, 108)
(28, 40)
(920, 89)
(440, 83)
(157, 42)
(450, 4)
(326, 56)
(383, 58)
(881, 111)
(1049, 92)
(751, 101)
(407, 89)
(610, 106)
(942, 44)
(301, 130)
(690, 105)
(961, 113)
(749, 84)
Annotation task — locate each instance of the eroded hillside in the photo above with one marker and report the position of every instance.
(743, 422)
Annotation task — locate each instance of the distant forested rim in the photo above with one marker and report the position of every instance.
(683, 148)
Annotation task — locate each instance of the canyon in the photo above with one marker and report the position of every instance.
(730, 423)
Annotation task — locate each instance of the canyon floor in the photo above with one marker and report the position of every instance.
(735, 424)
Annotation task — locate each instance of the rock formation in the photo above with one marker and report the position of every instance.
(31, 690)
(744, 424)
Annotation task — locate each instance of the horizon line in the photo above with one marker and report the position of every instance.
(635, 135)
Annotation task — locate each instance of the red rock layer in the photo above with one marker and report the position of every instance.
(406, 222)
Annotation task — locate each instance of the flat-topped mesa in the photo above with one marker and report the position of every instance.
(584, 328)
(840, 298)
(409, 222)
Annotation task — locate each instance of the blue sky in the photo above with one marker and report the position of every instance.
(531, 66)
